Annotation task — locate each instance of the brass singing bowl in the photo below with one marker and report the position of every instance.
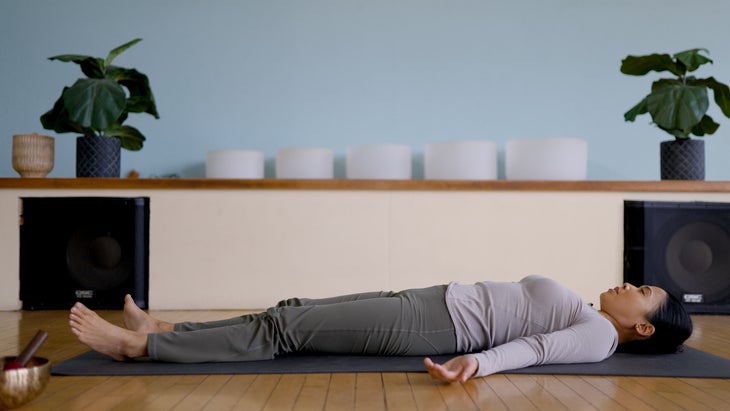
(20, 386)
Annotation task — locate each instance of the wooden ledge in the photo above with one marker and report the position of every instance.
(344, 184)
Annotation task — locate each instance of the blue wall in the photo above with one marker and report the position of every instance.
(266, 74)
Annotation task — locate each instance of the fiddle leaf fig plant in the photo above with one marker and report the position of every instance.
(678, 105)
(99, 104)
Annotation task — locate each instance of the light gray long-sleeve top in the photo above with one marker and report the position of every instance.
(531, 322)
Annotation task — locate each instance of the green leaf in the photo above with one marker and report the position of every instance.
(140, 98)
(70, 58)
(677, 107)
(640, 65)
(721, 93)
(131, 138)
(692, 59)
(119, 50)
(91, 66)
(638, 109)
(94, 103)
(706, 126)
(56, 119)
(665, 82)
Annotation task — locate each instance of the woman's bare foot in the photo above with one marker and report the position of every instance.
(105, 337)
(136, 319)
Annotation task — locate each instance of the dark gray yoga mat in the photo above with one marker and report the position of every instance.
(690, 363)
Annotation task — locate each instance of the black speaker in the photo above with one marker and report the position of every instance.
(683, 247)
(89, 249)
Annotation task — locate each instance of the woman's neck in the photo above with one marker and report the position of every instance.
(624, 334)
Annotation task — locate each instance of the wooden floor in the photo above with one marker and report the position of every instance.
(367, 391)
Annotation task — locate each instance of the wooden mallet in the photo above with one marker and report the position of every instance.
(21, 360)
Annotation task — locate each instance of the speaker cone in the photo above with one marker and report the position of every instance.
(94, 259)
(696, 259)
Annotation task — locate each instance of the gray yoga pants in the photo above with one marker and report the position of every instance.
(410, 322)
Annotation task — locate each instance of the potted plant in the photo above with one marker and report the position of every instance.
(96, 107)
(679, 106)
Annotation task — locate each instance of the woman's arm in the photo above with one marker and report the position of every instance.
(586, 342)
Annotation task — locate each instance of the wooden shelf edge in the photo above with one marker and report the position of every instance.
(344, 184)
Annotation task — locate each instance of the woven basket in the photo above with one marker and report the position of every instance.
(33, 155)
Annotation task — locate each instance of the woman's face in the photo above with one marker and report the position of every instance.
(630, 305)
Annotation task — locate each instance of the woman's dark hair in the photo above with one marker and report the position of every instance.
(672, 327)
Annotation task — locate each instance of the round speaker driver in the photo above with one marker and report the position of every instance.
(95, 259)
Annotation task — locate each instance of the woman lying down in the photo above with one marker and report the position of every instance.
(496, 326)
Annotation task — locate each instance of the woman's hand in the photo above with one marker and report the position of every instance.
(459, 368)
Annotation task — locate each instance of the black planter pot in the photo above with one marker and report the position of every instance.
(683, 160)
(98, 156)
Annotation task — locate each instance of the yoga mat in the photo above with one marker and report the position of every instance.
(690, 363)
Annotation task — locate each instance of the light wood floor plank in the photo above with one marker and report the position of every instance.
(426, 393)
(285, 393)
(130, 389)
(618, 394)
(313, 395)
(720, 388)
(594, 396)
(151, 388)
(231, 392)
(683, 394)
(91, 397)
(398, 394)
(61, 393)
(203, 393)
(258, 393)
(369, 393)
(169, 397)
(509, 393)
(650, 396)
(456, 397)
(341, 393)
(541, 398)
(483, 396)
(567, 397)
